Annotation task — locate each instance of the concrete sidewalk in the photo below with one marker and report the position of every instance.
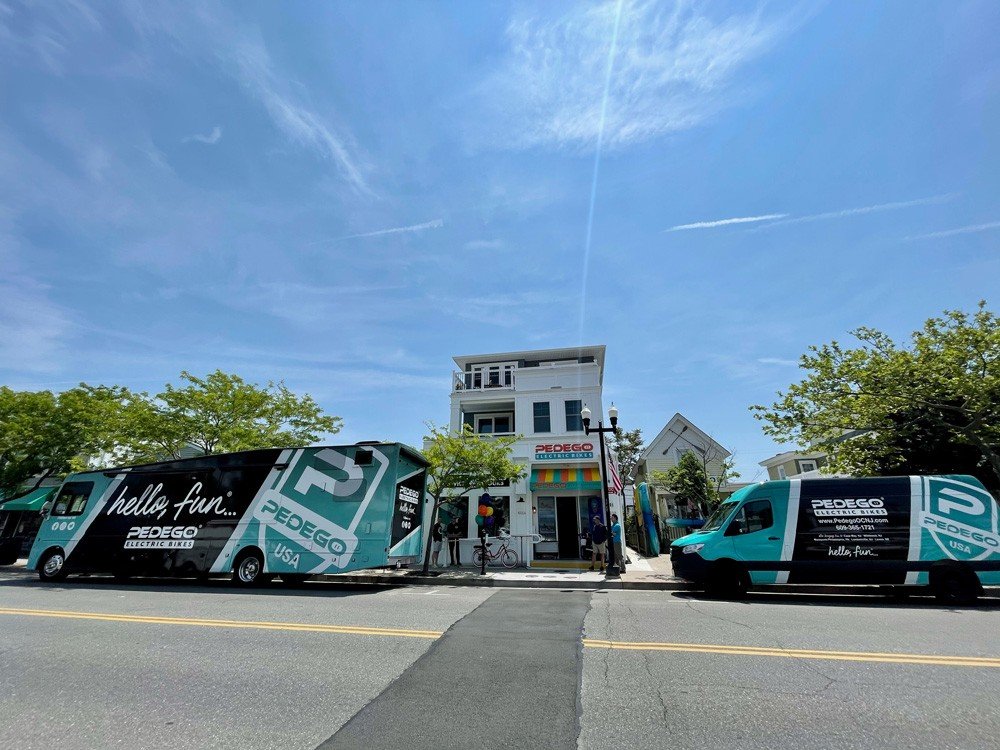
(642, 574)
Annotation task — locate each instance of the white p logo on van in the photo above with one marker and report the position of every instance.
(961, 518)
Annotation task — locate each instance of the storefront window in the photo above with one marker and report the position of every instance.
(546, 521)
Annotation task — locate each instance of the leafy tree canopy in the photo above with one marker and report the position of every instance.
(44, 434)
(930, 405)
(462, 462)
(628, 446)
(689, 483)
(220, 413)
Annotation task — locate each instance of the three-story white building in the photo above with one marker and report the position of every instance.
(538, 395)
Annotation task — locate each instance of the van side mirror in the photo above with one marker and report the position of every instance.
(735, 528)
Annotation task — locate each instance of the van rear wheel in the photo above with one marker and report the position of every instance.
(955, 586)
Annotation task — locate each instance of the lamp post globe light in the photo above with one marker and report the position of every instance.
(614, 570)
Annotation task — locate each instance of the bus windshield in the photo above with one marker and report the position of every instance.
(721, 513)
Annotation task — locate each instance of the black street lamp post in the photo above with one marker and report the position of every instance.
(613, 569)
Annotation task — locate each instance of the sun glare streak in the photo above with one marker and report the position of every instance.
(597, 166)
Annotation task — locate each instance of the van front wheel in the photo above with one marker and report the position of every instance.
(52, 566)
(249, 569)
(727, 580)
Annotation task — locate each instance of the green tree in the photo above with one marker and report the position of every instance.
(462, 462)
(689, 483)
(44, 434)
(887, 407)
(220, 413)
(627, 445)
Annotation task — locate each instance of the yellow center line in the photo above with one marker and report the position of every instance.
(797, 653)
(199, 622)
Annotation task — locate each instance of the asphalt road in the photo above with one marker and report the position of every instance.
(95, 663)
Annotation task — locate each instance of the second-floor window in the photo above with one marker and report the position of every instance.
(489, 424)
(574, 422)
(543, 420)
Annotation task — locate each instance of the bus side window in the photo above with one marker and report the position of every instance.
(72, 500)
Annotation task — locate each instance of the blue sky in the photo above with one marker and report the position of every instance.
(344, 195)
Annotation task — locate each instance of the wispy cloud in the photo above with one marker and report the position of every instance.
(241, 53)
(961, 230)
(211, 139)
(433, 224)
(676, 66)
(876, 208)
(768, 221)
(483, 245)
(725, 222)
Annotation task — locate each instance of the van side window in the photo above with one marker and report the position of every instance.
(72, 499)
(758, 515)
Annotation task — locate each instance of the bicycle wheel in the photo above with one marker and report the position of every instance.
(477, 557)
(509, 558)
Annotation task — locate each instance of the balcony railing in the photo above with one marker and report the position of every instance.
(484, 380)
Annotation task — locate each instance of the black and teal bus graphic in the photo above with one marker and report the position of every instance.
(942, 531)
(292, 512)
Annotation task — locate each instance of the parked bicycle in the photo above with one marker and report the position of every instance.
(507, 557)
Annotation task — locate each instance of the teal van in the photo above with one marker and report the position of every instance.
(937, 531)
(253, 514)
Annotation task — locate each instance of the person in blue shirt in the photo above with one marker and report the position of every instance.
(616, 539)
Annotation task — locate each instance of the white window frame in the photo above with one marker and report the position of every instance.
(491, 416)
(781, 473)
(808, 461)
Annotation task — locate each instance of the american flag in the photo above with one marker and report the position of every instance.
(614, 474)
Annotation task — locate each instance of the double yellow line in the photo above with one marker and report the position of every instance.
(690, 648)
(199, 622)
(797, 653)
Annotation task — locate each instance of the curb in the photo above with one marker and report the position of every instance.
(612, 585)
(488, 582)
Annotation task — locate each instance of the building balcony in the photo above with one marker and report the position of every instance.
(486, 379)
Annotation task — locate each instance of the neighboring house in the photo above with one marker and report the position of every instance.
(679, 436)
(791, 464)
(539, 395)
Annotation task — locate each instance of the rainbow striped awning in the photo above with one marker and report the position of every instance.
(565, 479)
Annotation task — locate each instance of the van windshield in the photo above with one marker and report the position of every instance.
(721, 513)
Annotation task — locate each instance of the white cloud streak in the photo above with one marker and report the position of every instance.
(241, 53)
(961, 230)
(779, 220)
(211, 139)
(725, 222)
(677, 66)
(434, 224)
(877, 208)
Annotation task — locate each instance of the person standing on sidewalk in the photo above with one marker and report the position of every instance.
(598, 542)
(454, 538)
(616, 539)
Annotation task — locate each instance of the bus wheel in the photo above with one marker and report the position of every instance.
(955, 585)
(249, 569)
(52, 566)
(294, 579)
(727, 580)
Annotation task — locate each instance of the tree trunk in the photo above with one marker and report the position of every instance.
(430, 539)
